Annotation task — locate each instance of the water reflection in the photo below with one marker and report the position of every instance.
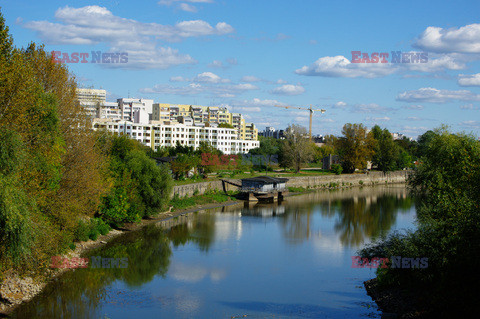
(361, 214)
(329, 220)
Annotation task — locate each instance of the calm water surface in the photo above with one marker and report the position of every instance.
(288, 260)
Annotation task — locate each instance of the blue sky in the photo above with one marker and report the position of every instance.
(252, 55)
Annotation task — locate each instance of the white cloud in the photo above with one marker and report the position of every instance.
(340, 66)
(288, 89)
(216, 64)
(177, 79)
(249, 78)
(91, 25)
(463, 40)
(441, 63)
(340, 104)
(210, 78)
(281, 81)
(187, 7)
(469, 79)
(433, 95)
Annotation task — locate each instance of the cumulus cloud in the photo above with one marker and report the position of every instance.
(432, 95)
(91, 25)
(340, 66)
(340, 104)
(187, 7)
(438, 63)
(465, 39)
(288, 89)
(469, 79)
(210, 78)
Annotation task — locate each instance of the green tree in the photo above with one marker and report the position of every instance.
(448, 232)
(296, 149)
(386, 152)
(355, 147)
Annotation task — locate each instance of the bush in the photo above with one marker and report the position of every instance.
(337, 169)
(82, 231)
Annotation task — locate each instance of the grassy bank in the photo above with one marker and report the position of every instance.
(207, 198)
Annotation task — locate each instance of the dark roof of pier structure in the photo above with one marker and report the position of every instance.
(266, 179)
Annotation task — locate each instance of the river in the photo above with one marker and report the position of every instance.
(287, 260)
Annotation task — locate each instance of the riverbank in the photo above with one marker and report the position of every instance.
(15, 290)
(396, 302)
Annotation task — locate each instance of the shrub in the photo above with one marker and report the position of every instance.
(81, 231)
(337, 169)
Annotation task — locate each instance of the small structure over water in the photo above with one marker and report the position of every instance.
(264, 187)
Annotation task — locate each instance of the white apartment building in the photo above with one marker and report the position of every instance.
(168, 134)
(91, 100)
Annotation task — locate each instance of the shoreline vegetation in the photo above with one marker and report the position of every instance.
(447, 235)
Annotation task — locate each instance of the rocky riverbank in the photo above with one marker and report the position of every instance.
(397, 303)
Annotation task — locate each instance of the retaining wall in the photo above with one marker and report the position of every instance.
(344, 180)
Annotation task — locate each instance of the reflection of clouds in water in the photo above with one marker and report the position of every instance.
(228, 225)
(329, 248)
(195, 273)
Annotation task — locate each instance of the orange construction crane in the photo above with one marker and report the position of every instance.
(307, 109)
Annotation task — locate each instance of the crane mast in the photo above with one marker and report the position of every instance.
(310, 109)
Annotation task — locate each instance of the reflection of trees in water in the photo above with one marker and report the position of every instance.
(362, 214)
(200, 229)
(78, 293)
(296, 224)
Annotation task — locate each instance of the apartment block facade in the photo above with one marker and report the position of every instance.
(160, 124)
(169, 134)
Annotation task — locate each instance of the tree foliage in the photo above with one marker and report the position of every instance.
(448, 232)
(296, 149)
(355, 147)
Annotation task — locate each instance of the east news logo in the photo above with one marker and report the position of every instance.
(396, 57)
(97, 57)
